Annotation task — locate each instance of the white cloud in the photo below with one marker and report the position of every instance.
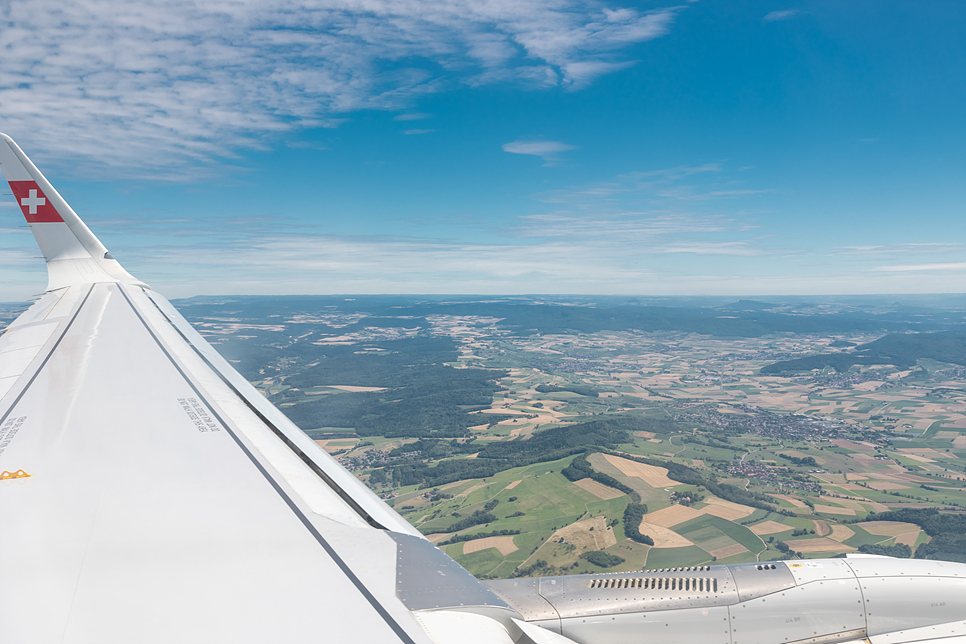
(784, 14)
(160, 88)
(952, 266)
(930, 248)
(418, 131)
(411, 117)
(547, 150)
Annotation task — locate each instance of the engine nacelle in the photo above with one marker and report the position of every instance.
(819, 601)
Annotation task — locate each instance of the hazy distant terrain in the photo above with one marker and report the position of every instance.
(534, 435)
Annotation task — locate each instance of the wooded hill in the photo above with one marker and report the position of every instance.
(902, 350)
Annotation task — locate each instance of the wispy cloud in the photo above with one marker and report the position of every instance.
(418, 131)
(549, 151)
(953, 266)
(704, 182)
(411, 117)
(160, 89)
(784, 14)
(902, 249)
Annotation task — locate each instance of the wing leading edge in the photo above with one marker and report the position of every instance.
(155, 495)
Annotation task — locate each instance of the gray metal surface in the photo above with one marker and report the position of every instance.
(428, 579)
(524, 596)
(652, 590)
(686, 626)
(911, 601)
(818, 609)
(758, 579)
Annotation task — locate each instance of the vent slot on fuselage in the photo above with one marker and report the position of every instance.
(685, 584)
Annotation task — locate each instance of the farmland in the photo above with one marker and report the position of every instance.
(734, 461)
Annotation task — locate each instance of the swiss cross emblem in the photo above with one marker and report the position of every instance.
(32, 202)
(36, 207)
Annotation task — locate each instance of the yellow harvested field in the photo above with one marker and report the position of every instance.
(598, 489)
(644, 434)
(841, 533)
(790, 499)
(856, 477)
(831, 509)
(504, 544)
(726, 509)
(513, 485)
(334, 445)
(821, 528)
(862, 447)
(897, 476)
(652, 475)
(849, 503)
(671, 516)
(818, 545)
(959, 443)
(664, 537)
(888, 528)
(887, 485)
(654, 440)
(728, 551)
(769, 527)
(926, 451)
(921, 459)
(908, 538)
(584, 538)
(440, 536)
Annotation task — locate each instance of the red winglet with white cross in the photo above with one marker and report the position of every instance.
(36, 207)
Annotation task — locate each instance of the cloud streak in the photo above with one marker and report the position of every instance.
(950, 266)
(159, 89)
(549, 151)
(783, 14)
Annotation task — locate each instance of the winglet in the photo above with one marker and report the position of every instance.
(74, 255)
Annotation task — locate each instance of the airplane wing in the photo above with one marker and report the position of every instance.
(150, 494)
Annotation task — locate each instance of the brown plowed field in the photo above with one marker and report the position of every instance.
(769, 527)
(504, 544)
(671, 516)
(727, 509)
(597, 489)
(728, 551)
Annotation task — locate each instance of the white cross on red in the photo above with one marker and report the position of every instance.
(33, 201)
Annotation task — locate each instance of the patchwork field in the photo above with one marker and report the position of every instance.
(802, 454)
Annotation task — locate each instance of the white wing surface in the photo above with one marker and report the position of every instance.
(150, 494)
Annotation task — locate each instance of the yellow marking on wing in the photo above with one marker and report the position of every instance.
(19, 474)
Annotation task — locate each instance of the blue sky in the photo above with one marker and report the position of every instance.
(723, 148)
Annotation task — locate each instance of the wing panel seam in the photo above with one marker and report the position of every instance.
(379, 608)
(322, 474)
(43, 364)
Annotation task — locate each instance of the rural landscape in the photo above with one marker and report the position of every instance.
(535, 437)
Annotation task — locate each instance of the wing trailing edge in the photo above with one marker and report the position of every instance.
(73, 253)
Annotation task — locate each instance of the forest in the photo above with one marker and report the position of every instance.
(423, 396)
(548, 445)
(900, 349)
(948, 532)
